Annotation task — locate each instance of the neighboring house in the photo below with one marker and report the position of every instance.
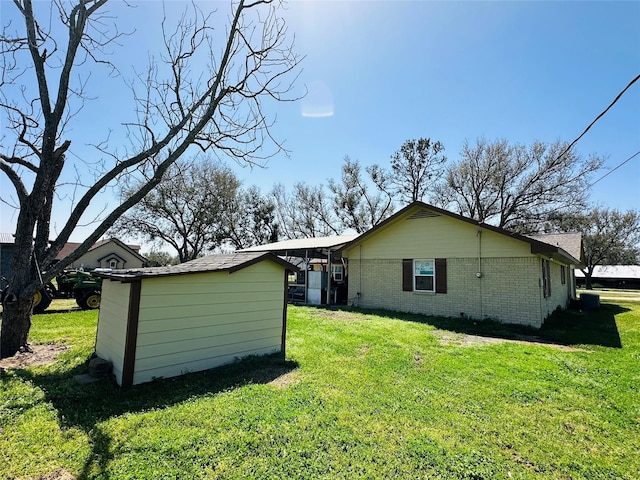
(431, 261)
(618, 276)
(7, 246)
(167, 321)
(110, 253)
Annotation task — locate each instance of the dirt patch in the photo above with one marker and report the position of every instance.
(285, 380)
(61, 474)
(467, 340)
(36, 355)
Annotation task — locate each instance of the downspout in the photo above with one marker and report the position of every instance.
(479, 272)
(359, 294)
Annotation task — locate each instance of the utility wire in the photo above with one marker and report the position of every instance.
(617, 167)
(598, 118)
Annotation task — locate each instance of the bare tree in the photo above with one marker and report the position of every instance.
(416, 168)
(306, 212)
(361, 203)
(515, 186)
(218, 108)
(187, 210)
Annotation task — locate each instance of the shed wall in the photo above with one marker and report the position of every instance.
(112, 324)
(199, 321)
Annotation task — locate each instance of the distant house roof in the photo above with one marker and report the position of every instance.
(614, 272)
(7, 238)
(304, 247)
(70, 247)
(212, 263)
(569, 242)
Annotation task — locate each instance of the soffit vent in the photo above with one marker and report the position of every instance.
(422, 214)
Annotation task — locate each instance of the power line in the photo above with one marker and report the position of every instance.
(617, 167)
(598, 118)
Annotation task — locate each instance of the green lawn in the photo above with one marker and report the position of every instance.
(374, 395)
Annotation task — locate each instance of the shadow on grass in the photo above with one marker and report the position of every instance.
(566, 327)
(85, 406)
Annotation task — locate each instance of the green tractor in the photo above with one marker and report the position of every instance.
(82, 286)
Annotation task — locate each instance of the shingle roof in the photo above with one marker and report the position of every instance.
(569, 242)
(212, 263)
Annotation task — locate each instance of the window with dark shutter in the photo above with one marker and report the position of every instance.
(407, 275)
(410, 278)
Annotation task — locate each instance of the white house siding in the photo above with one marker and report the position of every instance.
(112, 324)
(202, 320)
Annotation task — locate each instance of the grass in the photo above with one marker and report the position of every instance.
(362, 395)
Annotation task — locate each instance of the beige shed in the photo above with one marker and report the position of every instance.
(167, 321)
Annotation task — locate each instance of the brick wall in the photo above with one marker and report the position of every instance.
(508, 291)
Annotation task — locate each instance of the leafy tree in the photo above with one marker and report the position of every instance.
(609, 236)
(159, 258)
(416, 168)
(252, 220)
(187, 210)
(204, 88)
(361, 203)
(515, 186)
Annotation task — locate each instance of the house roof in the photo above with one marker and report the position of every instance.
(231, 262)
(70, 247)
(7, 238)
(421, 208)
(569, 242)
(614, 272)
(305, 247)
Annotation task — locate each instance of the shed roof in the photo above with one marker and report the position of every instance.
(305, 247)
(231, 262)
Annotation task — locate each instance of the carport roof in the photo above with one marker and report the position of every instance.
(316, 247)
(231, 262)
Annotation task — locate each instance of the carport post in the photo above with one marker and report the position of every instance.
(306, 275)
(329, 277)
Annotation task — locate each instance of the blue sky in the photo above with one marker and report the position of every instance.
(381, 72)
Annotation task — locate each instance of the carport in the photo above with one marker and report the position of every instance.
(307, 249)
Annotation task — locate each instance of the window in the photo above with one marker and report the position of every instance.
(424, 275)
(546, 278)
(113, 263)
(337, 272)
(563, 275)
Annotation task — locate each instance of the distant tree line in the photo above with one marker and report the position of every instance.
(202, 207)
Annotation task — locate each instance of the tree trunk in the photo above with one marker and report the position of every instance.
(587, 281)
(16, 322)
